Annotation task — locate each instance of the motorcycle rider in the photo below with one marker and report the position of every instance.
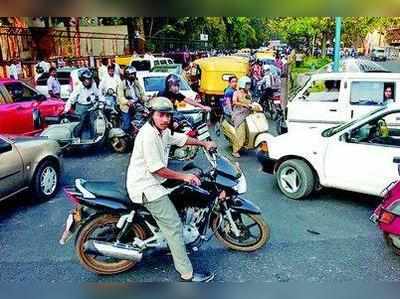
(148, 169)
(84, 97)
(241, 109)
(130, 95)
(109, 81)
(171, 92)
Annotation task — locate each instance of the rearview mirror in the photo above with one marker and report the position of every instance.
(5, 147)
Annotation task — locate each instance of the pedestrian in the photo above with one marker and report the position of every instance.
(53, 85)
(13, 70)
(228, 96)
(148, 169)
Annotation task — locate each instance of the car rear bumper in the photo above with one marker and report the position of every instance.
(267, 163)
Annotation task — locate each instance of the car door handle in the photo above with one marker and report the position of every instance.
(333, 110)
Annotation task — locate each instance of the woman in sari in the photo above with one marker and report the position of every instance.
(241, 109)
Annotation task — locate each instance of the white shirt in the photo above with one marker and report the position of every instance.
(109, 82)
(53, 85)
(150, 154)
(83, 96)
(13, 71)
(102, 72)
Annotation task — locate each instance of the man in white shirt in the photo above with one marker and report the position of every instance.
(53, 85)
(148, 169)
(13, 70)
(110, 81)
(103, 69)
(84, 97)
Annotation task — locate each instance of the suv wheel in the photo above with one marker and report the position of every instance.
(295, 179)
(45, 181)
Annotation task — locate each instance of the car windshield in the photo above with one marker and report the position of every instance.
(336, 129)
(157, 83)
(298, 88)
(141, 65)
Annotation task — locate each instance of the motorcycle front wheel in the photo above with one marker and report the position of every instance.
(254, 232)
(104, 228)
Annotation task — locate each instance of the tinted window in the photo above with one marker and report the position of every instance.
(371, 93)
(163, 61)
(20, 92)
(141, 65)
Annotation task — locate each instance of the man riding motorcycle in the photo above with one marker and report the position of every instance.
(148, 169)
(84, 97)
(130, 95)
(109, 82)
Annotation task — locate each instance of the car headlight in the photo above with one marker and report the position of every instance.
(241, 186)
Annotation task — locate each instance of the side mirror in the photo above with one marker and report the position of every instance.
(5, 147)
(41, 97)
(345, 137)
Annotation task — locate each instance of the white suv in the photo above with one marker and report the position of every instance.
(355, 156)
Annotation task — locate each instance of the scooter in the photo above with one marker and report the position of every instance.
(387, 214)
(62, 128)
(256, 128)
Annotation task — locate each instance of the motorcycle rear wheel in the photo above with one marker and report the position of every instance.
(91, 262)
(230, 241)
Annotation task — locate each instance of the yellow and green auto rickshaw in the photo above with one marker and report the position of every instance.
(214, 74)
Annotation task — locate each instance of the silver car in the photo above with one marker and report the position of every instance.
(29, 163)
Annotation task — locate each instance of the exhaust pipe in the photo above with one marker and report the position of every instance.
(110, 250)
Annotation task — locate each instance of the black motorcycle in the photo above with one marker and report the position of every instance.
(113, 233)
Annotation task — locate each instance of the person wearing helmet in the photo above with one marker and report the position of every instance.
(148, 169)
(171, 92)
(241, 109)
(84, 97)
(130, 96)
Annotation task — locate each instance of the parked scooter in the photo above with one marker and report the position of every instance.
(113, 233)
(256, 128)
(62, 129)
(387, 214)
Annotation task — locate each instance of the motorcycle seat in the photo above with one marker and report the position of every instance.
(109, 190)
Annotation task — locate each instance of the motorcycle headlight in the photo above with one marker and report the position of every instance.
(395, 208)
(241, 187)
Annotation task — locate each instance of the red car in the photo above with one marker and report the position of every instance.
(22, 108)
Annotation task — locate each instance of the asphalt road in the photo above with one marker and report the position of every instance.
(326, 238)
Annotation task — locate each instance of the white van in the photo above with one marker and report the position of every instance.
(329, 99)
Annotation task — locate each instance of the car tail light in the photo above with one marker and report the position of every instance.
(192, 133)
(386, 217)
(71, 84)
(72, 195)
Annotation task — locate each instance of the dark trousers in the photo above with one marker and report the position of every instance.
(126, 121)
(87, 120)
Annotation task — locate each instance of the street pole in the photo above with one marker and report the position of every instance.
(337, 44)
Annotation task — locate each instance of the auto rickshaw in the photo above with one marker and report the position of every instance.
(123, 61)
(214, 74)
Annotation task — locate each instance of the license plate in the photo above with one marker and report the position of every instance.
(73, 218)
